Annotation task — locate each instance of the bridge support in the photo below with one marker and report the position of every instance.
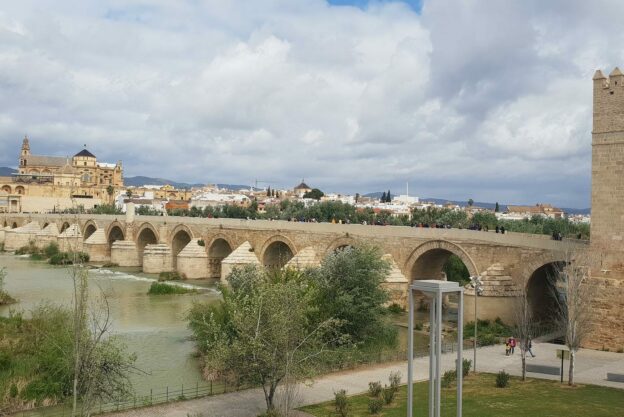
(157, 258)
(124, 253)
(193, 261)
(97, 247)
(21, 236)
(47, 235)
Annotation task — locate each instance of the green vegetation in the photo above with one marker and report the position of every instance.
(488, 332)
(502, 379)
(158, 288)
(101, 209)
(170, 276)
(483, 399)
(52, 254)
(456, 271)
(37, 359)
(315, 193)
(5, 298)
(285, 325)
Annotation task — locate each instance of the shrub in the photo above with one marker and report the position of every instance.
(388, 394)
(159, 289)
(375, 405)
(169, 276)
(51, 249)
(5, 361)
(67, 258)
(395, 380)
(466, 365)
(502, 379)
(394, 308)
(13, 391)
(418, 326)
(201, 242)
(448, 378)
(341, 403)
(110, 265)
(37, 257)
(374, 389)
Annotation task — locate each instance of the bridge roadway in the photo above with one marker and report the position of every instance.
(209, 248)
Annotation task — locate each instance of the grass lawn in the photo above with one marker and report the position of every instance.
(533, 398)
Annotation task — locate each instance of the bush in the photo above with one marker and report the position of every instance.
(341, 403)
(67, 258)
(418, 326)
(448, 378)
(502, 379)
(13, 391)
(159, 289)
(395, 380)
(466, 365)
(110, 265)
(375, 405)
(51, 249)
(374, 389)
(394, 308)
(388, 394)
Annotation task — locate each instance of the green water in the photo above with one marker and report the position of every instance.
(153, 327)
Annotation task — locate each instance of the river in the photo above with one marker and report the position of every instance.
(152, 326)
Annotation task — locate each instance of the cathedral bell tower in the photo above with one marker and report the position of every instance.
(25, 152)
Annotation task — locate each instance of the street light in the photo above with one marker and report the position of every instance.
(477, 285)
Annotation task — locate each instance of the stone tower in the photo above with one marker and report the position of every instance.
(607, 210)
(25, 151)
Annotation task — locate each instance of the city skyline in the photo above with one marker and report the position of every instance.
(354, 99)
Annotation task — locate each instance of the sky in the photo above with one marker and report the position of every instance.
(461, 99)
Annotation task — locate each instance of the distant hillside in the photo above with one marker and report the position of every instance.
(490, 206)
(140, 181)
(7, 172)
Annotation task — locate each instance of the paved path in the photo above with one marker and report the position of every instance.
(591, 368)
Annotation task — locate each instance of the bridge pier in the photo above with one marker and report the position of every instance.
(21, 236)
(193, 261)
(125, 253)
(157, 258)
(96, 246)
(70, 240)
(241, 256)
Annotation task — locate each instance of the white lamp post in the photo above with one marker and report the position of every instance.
(477, 285)
(435, 289)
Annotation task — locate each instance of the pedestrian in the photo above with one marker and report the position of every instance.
(512, 344)
(497, 229)
(502, 230)
(529, 346)
(507, 348)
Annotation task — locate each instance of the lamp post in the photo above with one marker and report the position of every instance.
(477, 285)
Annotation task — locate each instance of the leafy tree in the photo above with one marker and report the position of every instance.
(388, 197)
(455, 270)
(496, 208)
(129, 193)
(268, 191)
(470, 202)
(348, 285)
(357, 197)
(314, 193)
(261, 333)
(383, 197)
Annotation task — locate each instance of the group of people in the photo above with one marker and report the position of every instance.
(510, 346)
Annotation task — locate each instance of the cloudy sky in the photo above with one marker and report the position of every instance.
(465, 98)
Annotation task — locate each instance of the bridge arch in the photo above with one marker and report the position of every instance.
(277, 251)
(180, 237)
(218, 248)
(64, 226)
(340, 243)
(115, 231)
(89, 228)
(146, 235)
(14, 225)
(428, 259)
(539, 277)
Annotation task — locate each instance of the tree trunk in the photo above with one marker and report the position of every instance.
(523, 367)
(571, 371)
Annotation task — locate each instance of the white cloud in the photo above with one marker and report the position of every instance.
(490, 100)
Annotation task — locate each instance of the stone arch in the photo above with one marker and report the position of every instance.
(340, 243)
(115, 232)
(14, 225)
(64, 226)
(277, 251)
(180, 237)
(540, 289)
(89, 228)
(218, 249)
(45, 224)
(5, 224)
(7, 189)
(427, 260)
(20, 190)
(146, 235)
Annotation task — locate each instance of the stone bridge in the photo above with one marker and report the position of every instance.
(209, 248)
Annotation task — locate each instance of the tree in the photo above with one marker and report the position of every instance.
(524, 327)
(574, 293)
(129, 193)
(261, 333)
(268, 191)
(388, 197)
(470, 202)
(349, 289)
(314, 193)
(383, 197)
(5, 298)
(496, 208)
(357, 197)
(110, 190)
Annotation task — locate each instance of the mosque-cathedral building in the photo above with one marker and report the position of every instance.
(53, 183)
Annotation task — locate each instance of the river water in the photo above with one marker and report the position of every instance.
(152, 326)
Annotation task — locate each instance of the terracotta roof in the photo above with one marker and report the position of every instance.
(86, 153)
(49, 161)
(302, 186)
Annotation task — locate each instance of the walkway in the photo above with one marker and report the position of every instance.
(591, 368)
